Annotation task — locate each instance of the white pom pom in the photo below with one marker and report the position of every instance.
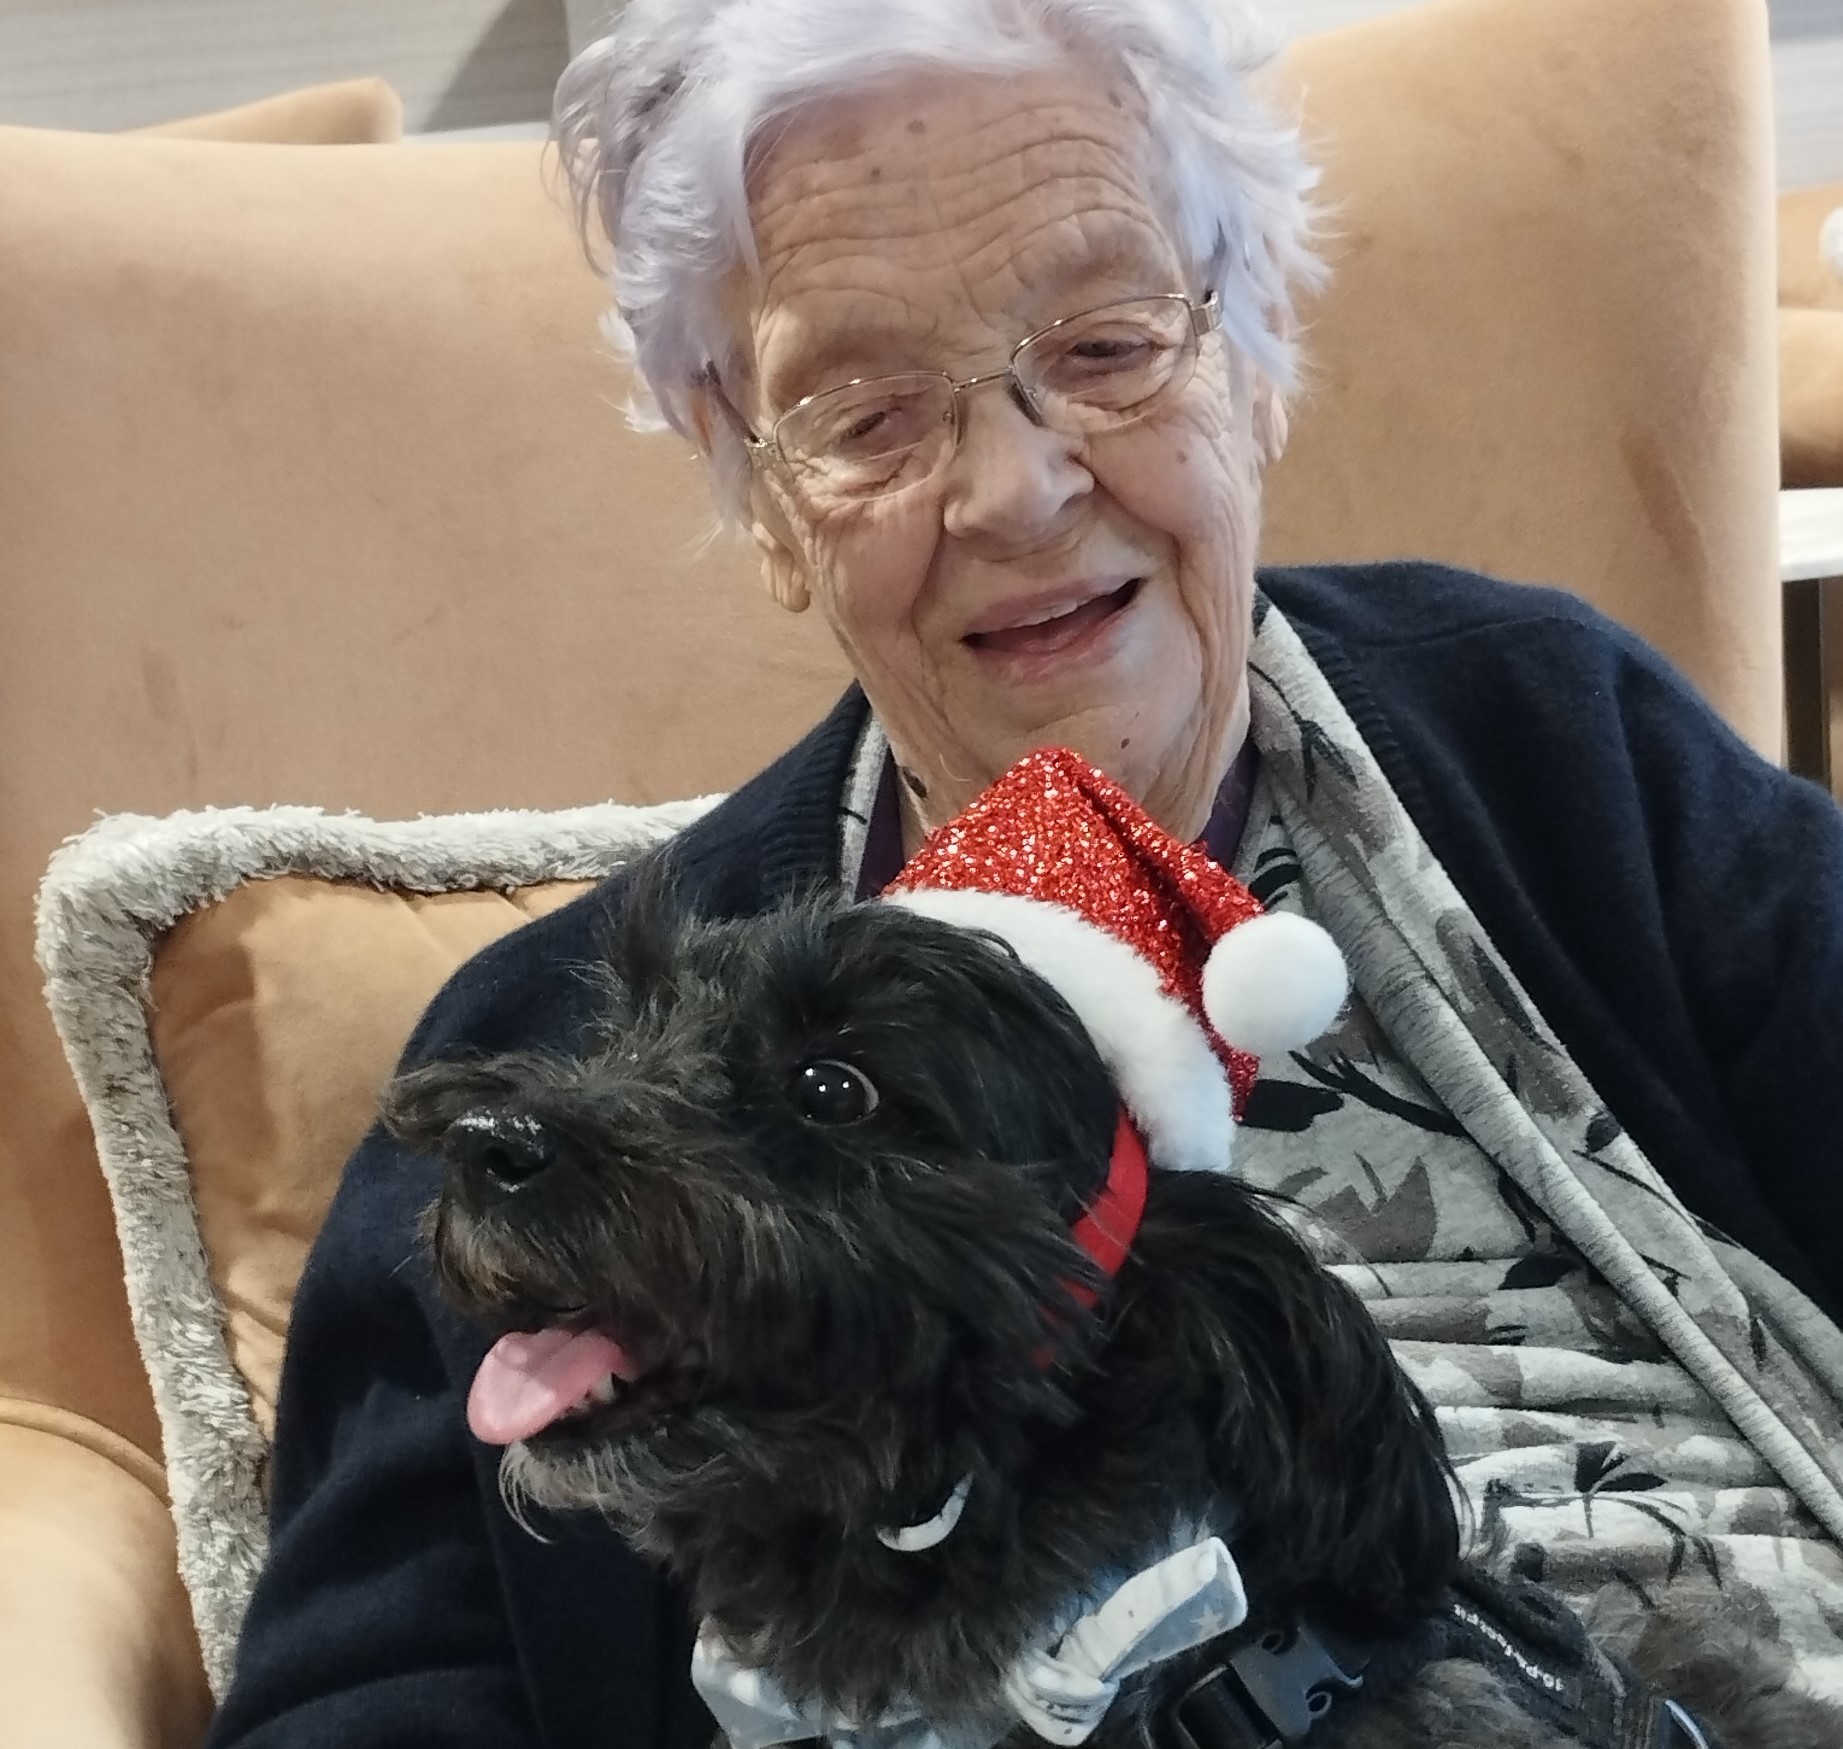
(1274, 983)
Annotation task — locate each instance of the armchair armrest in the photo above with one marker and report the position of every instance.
(96, 1642)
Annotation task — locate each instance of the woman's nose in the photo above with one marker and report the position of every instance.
(1011, 477)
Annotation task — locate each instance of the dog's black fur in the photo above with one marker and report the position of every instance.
(844, 1314)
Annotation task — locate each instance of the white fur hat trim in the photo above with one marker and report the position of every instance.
(1160, 1057)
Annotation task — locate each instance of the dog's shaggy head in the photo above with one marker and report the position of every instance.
(815, 1177)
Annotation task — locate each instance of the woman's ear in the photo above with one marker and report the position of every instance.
(783, 564)
(1270, 424)
(783, 574)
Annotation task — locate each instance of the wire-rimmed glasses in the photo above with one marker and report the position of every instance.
(1096, 372)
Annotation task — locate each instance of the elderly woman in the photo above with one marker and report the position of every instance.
(978, 312)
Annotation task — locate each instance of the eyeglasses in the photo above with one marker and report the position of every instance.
(1084, 375)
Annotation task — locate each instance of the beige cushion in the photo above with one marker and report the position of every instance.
(276, 1014)
(99, 1645)
(1810, 339)
(314, 485)
(1547, 351)
(232, 987)
(354, 112)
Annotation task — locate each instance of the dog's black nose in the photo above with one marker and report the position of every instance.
(511, 1148)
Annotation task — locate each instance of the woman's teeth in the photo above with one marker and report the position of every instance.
(1055, 627)
(1048, 614)
(1062, 609)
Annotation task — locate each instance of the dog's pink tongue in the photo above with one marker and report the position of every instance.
(528, 1380)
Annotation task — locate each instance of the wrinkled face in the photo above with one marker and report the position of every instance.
(1040, 588)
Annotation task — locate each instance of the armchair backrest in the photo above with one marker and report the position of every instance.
(1548, 349)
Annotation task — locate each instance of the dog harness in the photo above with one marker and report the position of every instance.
(1061, 1691)
(1270, 1689)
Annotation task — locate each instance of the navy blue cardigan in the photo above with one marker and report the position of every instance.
(1673, 904)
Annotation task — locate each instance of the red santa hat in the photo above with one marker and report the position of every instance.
(1180, 977)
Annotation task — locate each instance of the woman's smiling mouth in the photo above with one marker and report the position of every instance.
(1053, 629)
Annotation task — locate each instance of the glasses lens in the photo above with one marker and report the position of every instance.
(1111, 364)
(869, 437)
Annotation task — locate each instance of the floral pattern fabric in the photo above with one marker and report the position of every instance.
(1626, 1397)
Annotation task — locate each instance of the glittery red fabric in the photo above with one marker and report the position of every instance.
(1057, 829)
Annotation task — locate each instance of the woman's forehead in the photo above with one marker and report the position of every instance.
(945, 202)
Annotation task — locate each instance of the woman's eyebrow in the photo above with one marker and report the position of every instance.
(1120, 265)
(839, 356)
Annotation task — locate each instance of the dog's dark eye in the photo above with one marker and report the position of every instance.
(828, 1091)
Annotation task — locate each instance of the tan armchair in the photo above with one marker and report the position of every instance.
(313, 488)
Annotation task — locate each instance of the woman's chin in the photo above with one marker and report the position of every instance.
(1124, 694)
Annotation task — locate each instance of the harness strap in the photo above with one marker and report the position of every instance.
(1268, 1690)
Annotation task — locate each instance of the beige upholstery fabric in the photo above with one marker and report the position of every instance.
(1548, 348)
(95, 1638)
(278, 1013)
(247, 557)
(314, 488)
(354, 112)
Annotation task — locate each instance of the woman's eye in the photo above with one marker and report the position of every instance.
(1101, 350)
(862, 429)
(1086, 357)
(831, 1092)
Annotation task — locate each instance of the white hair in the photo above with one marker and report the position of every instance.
(656, 122)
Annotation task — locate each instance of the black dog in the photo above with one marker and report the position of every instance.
(810, 1190)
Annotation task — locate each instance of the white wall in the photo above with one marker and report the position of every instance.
(1808, 87)
(122, 63)
(477, 63)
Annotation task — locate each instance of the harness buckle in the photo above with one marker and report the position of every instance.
(1266, 1694)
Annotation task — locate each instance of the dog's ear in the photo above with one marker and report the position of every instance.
(1326, 1452)
(639, 946)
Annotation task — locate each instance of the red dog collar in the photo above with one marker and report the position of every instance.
(1106, 1232)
